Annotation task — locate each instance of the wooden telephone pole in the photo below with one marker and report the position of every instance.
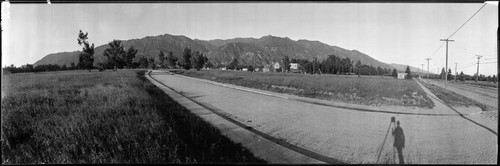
(477, 74)
(446, 73)
(427, 66)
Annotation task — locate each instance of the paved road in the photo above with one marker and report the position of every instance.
(347, 135)
(487, 96)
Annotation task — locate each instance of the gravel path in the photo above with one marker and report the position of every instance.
(348, 135)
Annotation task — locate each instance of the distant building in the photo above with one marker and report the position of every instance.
(294, 68)
(223, 68)
(402, 75)
(244, 69)
(276, 66)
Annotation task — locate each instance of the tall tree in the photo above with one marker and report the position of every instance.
(462, 77)
(143, 62)
(286, 63)
(394, 73)
(115, 54)
(129, 57)
(442, 73)
(408, 73)
(86, 57)
(199, 60)
(187, 58)
(161, 57)
(171, 60)
(357, 66)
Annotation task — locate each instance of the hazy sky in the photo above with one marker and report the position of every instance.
(403, 33)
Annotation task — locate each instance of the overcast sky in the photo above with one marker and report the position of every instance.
(403, 33)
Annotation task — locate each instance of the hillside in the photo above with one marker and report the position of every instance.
(249, 51)
(402, 68)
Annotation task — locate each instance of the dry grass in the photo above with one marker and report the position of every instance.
(104, 117)
(350, 89)
(451, 98)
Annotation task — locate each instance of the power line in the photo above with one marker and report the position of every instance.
(467, 21)
(437, 49)
(467, 66)
(488, 62)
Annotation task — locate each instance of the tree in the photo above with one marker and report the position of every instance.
(152, 63)
(462, 77)
(143, 62)
(129, 57)
(357, 66)
(380, 71)
(233, 65)
(187, 58)
(199, 60)
(86, 57)
(161, 57)
(209, 65)
(72, 66)
(408, 73)
(394, 73)
(286, 63)
(115, 54)
(171, 60)
(442, 73)
(250, 68)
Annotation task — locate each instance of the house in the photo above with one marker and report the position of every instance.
(267, 68)
(276, 66)
(244, 69)
(223, 68)
(294, 67)
(402, 75)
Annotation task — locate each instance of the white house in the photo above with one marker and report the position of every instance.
(276, 66)
(294, 66)
(402, 75)
(244, 69)
(223, 68)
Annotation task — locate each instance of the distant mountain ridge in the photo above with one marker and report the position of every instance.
(248, 51)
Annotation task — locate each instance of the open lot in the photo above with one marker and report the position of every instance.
(375, 91)
(104, 117)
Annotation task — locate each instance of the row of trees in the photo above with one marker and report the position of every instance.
(336, 65)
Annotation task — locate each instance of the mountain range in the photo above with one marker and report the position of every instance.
(248, 51)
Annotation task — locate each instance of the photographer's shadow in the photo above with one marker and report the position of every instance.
(399, 142)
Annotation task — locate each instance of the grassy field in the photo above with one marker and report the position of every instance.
(480, 84)
(104, 117)
(357, 90)
(451, 98)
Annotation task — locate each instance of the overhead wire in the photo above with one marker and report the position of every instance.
(458, 29)
(467, 20)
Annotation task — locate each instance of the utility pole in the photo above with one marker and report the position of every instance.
(427, 66)
(477, 74)
(420, 73)
(456, 72)
(446, 73)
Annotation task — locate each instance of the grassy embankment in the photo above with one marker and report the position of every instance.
(451, 98)
(104, 117)
(349, 89)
